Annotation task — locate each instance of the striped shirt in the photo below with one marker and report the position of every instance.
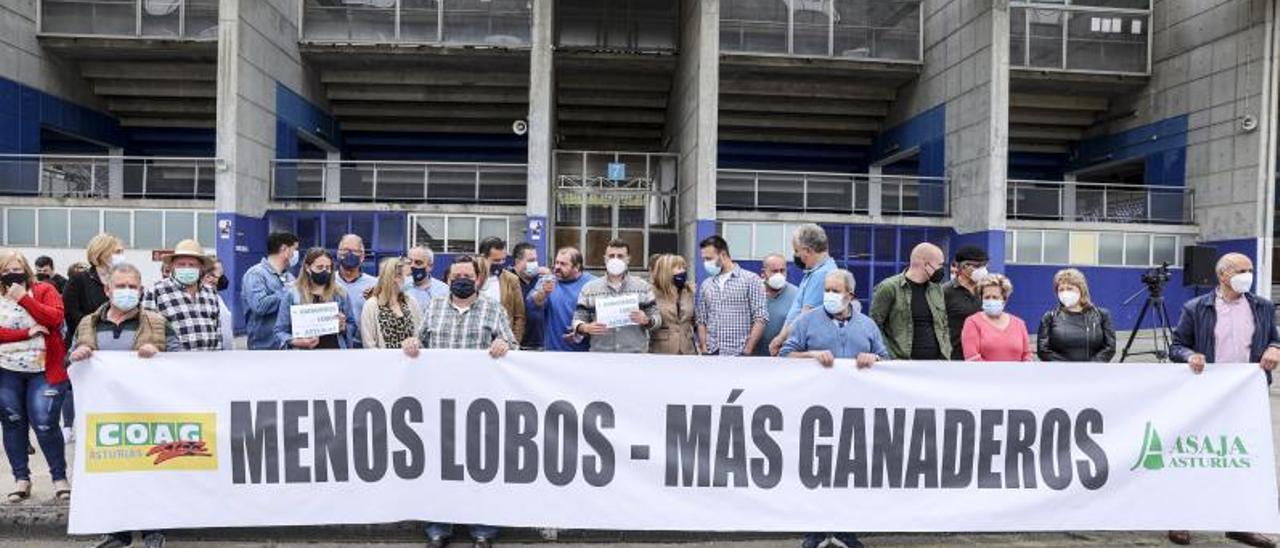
(728, 306)
(445, 326)
(631, 339)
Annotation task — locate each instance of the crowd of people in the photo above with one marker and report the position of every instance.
(49, 322)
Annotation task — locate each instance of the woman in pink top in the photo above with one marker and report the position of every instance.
(994, 335)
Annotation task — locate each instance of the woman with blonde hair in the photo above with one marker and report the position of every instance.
(390, 316)
(994, 335)
(1075, 330)
(674, 292)
(315, 285)
(85, 292)
(33, 379)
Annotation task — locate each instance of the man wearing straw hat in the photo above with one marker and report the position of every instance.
(190, 308)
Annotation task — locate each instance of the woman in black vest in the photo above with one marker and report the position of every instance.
(1075, 330)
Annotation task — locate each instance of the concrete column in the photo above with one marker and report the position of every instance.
(1068, 197)
(875, 193)
(115, 173)
(541, 132)
(692, 121)
(333, 177)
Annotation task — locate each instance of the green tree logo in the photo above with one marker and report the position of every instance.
(1151, 456)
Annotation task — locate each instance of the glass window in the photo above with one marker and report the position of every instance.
(1137, 250)
(462, 235)
(20, 226)
(178, 226)
(1164, 249)
(207, 231)
(769, 239)
(429, 231)
(1057, 248)
(1111, 249)
(53, 227)
(390, 234)
(738, 235)
(1084, 248)
(84, 226)
(119, 223)
(148, 230)
(1029, 246)
(1008, 246)
(495, 227)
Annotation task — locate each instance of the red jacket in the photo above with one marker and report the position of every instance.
(45, 305)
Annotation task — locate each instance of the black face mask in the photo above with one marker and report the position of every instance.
(223, 282)
(937, 276)
(462, 288)
(11, 278)
(800, 262)
(320, 278)
(419, 274)
(42, 277)
(680, 279)
(495, 269)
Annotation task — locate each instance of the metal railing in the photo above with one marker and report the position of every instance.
(1077, 38)
(816, 192)
(70, 176)
(472, 22)
(195, 20)
(1100, 203)
(402, 182)
(847, 29)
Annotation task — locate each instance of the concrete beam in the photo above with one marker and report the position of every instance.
(620, 83)
(169, 121)
(792, 137)
(1051, 117)
(802, 122)
(145, 88)
(509, 112)
(150, 70)
(612, 99)
(1058, 102)
(161, 106)
(612, 115)
(399, 76)
(876, 109)
(1045, 133)
(345, 92)
(801, 89)
(449, 125)
(599, 130)
(1015, 146)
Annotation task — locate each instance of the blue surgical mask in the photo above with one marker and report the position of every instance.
(712, 267)
(992, 307)
(530, 268)
(293, 258)
(125, 298)
(186, 275)
(833, 302)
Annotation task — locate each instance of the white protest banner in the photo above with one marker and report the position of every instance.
(640, 442)
(616, 311)
(314, 320)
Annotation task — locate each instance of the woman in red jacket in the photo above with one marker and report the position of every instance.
(33, 379)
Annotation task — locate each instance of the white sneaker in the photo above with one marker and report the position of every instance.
(69, 434)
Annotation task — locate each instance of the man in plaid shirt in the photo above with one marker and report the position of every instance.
(190, 308)
(463, 320)
(731, 312)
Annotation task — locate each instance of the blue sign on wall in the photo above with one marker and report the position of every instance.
(617, 171)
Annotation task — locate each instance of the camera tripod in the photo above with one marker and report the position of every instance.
(1162, 328)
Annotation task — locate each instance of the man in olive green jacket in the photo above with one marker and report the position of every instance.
(910, 308)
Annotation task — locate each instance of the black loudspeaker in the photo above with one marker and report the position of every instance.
(1198, 265)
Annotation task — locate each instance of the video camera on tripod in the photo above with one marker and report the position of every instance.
(1153, 280)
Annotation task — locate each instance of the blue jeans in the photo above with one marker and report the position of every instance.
(445, 530)
(68, 408)
(27, 401)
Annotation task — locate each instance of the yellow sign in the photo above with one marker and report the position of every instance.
(141, 442)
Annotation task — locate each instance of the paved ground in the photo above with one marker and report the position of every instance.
(40, 523)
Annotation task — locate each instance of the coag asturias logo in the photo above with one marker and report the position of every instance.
(1205, 451)
(130, 442)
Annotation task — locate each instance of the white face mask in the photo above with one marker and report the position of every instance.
(117, 259)
(777, 281)
(1069, 297)
(1242, 282)
(979, 274)
(615, 266)
(833, 302)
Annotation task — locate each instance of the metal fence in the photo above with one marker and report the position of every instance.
(53, 176)
(815, 192)
(180, 19)
(1103, 203)
(1081, 38)
(404, 182)
(491, 22)
(850, 29)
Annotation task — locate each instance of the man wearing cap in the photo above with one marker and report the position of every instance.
(960, 295)
(190, 308)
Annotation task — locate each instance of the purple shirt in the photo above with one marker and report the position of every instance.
(1233, 334)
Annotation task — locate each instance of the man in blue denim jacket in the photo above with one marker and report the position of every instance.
(265, 286)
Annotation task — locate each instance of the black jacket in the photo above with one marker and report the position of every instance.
(83, 295)
(1070, 337)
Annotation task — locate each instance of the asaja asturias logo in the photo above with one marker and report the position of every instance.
(1204, 451)
(137, 442)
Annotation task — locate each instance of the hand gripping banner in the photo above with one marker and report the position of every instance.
(638, 442)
